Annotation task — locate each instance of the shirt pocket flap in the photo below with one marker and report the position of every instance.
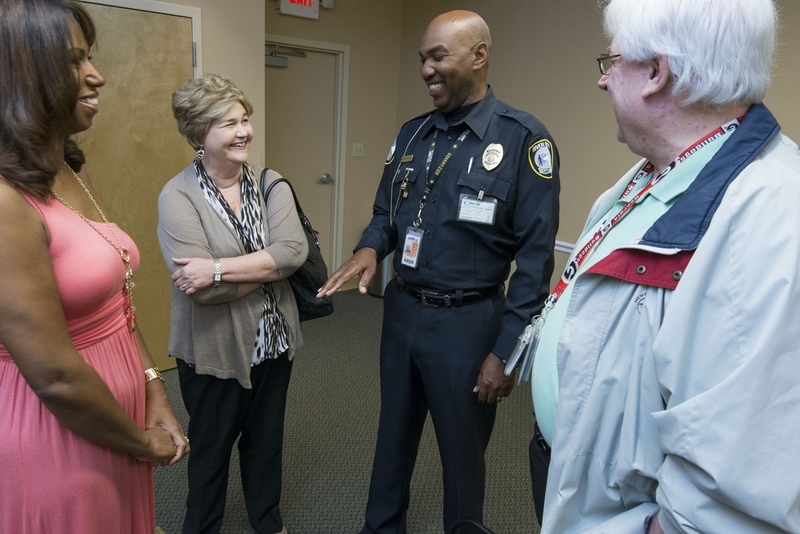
(407, 172)
(492, 184)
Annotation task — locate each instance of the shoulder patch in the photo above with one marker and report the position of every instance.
(390, 155)
(540, 158)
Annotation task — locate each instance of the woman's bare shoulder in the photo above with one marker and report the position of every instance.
(17, 213)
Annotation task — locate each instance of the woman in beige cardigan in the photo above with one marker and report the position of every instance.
(234, 322)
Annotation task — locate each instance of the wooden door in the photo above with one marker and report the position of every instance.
(134, 146)
(300, 135)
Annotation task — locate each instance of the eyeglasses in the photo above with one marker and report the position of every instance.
(606, 61)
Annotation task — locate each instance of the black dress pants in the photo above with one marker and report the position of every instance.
(430, 360)
(220, 411)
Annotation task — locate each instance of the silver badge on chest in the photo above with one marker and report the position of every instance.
(492, 156)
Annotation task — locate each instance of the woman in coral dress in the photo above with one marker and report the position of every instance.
(83, 416)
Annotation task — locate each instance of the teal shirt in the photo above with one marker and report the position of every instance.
(544, 372)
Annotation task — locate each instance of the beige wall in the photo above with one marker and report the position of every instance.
(372, 31)
(233, 44)
(542, 62)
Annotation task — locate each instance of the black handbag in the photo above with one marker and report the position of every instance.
(313, 274)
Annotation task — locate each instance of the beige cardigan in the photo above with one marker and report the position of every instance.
(211, 329)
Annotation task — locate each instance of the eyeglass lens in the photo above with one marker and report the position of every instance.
(606, 61)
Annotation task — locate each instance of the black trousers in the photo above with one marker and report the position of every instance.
(539, 455)
(430, 360)
(220, 411)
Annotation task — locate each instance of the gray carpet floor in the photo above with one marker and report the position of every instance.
(331, 422)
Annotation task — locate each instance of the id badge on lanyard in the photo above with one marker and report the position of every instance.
(411, 247)
(414, 233)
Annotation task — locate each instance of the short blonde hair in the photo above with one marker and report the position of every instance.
(200, 101)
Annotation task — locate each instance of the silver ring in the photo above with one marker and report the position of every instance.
(187, 439)
(183, 287)
(500, 398)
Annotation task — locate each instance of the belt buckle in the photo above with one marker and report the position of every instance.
(426, 297)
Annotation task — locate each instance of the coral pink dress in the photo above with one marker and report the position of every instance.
(52, 480)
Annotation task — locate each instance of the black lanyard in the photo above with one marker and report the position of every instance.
(431, 180)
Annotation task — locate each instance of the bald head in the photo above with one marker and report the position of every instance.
(454, 59)
(466, 23)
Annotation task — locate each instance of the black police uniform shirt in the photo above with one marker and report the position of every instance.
(508, 157)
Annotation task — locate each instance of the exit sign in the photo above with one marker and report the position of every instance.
(299, 8)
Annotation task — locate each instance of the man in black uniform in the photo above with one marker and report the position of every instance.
(466, 189)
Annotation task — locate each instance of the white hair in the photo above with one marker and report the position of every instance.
(720, 51)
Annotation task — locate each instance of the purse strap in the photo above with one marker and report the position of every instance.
(266, 191)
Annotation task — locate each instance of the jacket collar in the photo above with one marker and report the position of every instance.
(684, 225)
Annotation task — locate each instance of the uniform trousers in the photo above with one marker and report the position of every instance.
(430, 361)
(220, 411)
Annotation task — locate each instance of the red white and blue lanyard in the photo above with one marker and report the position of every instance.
(528, 342)
(583, 254)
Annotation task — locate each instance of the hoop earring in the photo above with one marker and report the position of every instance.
(201, 153)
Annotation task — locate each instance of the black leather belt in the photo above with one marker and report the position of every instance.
(447, 299)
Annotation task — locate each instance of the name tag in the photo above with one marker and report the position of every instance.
(471, 209)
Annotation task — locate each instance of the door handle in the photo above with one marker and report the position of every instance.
(326, 178)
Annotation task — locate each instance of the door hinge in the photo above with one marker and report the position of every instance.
(194, 54)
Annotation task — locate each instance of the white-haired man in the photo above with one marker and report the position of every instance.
(666, 375)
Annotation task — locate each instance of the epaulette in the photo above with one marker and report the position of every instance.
(418, 117)
(412, 123)
(524, 118)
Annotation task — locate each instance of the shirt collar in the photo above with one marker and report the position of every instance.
(477, 120)
(682, 176)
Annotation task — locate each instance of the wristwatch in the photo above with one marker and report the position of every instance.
(152, 374)
(217, 272)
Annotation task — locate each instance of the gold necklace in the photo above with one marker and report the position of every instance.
(130, 309)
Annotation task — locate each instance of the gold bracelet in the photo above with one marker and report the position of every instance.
(151, 374)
